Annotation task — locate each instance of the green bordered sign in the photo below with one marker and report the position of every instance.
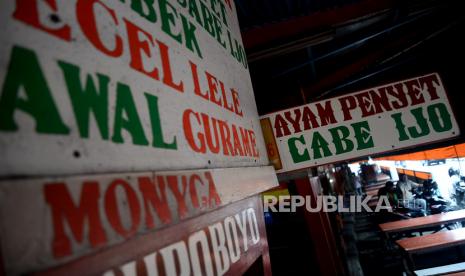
(385, 118)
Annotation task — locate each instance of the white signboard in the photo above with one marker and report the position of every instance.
(389, 117)
(117, 86)
(51, 221)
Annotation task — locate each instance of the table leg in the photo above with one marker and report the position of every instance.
(408, 263)
(388, 242)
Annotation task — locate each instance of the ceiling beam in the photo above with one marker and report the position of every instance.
(345, 72)
(260, 36)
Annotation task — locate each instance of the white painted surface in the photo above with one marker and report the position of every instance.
(26, 218)
(26, 152)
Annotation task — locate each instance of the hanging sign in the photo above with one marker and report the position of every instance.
(52, 221)
(125, 124)
(115, 86)
(389, 117)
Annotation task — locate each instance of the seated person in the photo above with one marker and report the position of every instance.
(405, 189)
(389, 191)
(430, 189)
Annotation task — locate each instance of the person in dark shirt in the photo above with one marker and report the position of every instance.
(389, 191)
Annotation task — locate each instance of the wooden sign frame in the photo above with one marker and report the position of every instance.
(120, 259)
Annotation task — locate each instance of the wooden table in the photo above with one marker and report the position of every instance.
(423, 222)
(374, 187)
(431, 242)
